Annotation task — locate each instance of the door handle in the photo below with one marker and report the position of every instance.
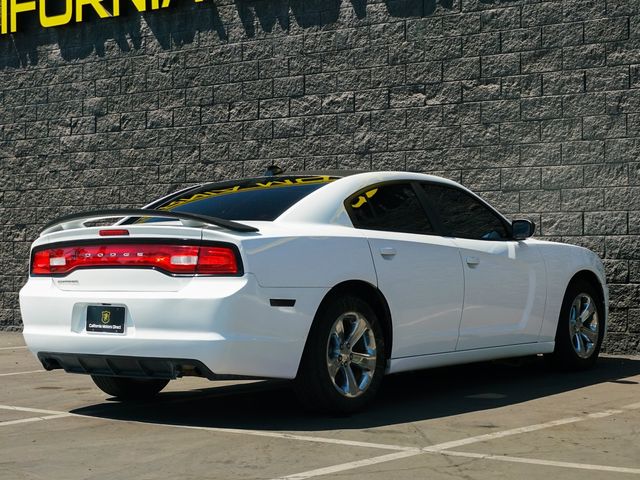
(472, 261)
(388, 251)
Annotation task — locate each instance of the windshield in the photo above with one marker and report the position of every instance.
(253, 199)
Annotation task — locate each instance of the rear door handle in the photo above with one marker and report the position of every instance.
(472, 261)
(388, 251)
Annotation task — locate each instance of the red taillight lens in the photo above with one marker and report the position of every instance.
(217, 260)
(177, 259)
(113, 232)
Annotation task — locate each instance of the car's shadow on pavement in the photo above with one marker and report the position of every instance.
(404, 398)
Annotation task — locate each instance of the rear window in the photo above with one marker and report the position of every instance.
(255, 199)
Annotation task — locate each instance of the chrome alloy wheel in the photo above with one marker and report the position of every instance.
(584, 325)
(351, 354)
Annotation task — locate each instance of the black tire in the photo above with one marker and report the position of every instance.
(314, 385)
(129, 388)
(565, 356)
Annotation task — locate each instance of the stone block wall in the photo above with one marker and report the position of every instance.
(533, 104)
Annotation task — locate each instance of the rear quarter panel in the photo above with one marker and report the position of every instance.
(309, 257)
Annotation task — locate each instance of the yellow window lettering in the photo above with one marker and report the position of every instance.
(237, 188)
(225, 190)
(56, 20)
(174, 204)
(177, 203)
(274, 183)
(362, 199)
(313, 179)
(141, 6)
(199, 196)
(97, 6)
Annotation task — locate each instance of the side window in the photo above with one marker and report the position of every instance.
(464, 216)
(393, 208)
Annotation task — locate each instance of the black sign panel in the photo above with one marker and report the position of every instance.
(105, 319)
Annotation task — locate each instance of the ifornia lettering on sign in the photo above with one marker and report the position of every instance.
(55, 13)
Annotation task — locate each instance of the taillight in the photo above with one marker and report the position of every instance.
(175, 259)
(113, 232)
(217, 260)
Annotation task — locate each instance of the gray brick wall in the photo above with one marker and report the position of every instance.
(534, 104)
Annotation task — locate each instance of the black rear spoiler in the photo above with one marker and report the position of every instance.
(77, 220)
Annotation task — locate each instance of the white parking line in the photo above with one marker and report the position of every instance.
(256, 433)
(527, 429)
(34, 419)
(19, 347)
(442, 448)
(351, 465)
(20, 373)
(535, 461)
(504, 433)
(287, 436)
(401, 451)
(32, 410)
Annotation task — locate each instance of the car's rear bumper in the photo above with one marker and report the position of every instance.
(131, 367)
(226, 324)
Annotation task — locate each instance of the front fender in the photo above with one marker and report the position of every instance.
(563, 262)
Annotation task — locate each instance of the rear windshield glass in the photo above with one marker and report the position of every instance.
(255, 199)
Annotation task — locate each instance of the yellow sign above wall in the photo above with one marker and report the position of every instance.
(68, 11)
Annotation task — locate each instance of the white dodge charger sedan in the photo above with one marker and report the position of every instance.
(330, 279)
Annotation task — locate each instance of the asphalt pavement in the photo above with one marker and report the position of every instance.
(483, 421)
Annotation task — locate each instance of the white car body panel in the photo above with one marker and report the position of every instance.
(442, 310)
(423, 282)
(397, 365)
(505, 293)
(226, 323)
(296, 249)
(563, 262)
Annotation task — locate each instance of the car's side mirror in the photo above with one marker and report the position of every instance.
(522, 229)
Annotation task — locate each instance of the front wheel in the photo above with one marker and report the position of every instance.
(129, 388)
(580, 328)
(344, 359)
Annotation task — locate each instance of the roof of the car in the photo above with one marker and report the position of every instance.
(334, 173)
(362, 174)
(310, 173)
(327, 173)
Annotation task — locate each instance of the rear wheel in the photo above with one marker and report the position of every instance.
(129, 388)
(344, 359)
(580, 328)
